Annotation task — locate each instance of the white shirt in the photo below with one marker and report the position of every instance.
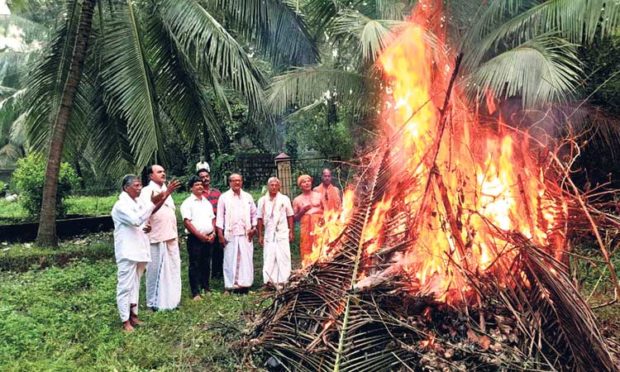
(129, 216)
(274, 214)
(236, 214)
(164, 221)
(200, 212)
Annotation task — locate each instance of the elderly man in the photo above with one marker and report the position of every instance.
(330, 194)
(213, 195)
(275, 232)
(131, 246)
(236, 226)
(163, 273)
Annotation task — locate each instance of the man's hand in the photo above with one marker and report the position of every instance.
(210, 238)
(173, 186)
(223, 241)
(251, 234)
(147, 228)
(202, 237)
(261, 241)
(291, 236)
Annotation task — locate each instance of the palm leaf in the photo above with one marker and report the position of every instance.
(276, 29)
(9, 154)
(210, 46)
(577, 20)
(182, 91)
(321, 14)
(373, 35)
(541, 70)
(127, 79)
(304, 86)
(29, 31)
(17, 135)
(46, 83)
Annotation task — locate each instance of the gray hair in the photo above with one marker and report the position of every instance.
(234, 174)
(274, 179)
(128, 180)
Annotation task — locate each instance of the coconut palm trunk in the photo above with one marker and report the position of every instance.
(46, 235)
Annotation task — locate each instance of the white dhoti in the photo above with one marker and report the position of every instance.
(128, 286)
(163, 276)
(276, 261)
(238, 262)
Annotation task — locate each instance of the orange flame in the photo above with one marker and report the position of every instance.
(334, 223)
(483, 183)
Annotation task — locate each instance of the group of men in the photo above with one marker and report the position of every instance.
(220, 230)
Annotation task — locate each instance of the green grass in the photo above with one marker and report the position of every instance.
(65, 318)
(90, 205)
(26, 256)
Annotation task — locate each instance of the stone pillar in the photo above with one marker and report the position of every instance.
(284, 173)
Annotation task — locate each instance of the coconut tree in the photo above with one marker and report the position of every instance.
(20, 41)
(512, 48)
(118, 71)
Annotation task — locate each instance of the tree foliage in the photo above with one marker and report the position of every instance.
(29, 177)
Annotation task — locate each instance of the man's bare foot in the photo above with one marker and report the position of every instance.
(197, 298)
(133, 319)
(127, 327)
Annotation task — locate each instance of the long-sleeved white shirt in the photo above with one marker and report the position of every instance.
(130, 241)
(236, 214)
(275, 213)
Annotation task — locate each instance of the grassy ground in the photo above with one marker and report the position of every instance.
(66, 319)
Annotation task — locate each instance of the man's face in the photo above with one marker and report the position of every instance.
(159, 175)
(134, 189)
(235, 182)
(197, 188)
(205, 177)
(327, 177)
(274, 187)
(306, 184)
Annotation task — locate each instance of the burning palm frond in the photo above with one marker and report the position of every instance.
(449, 253)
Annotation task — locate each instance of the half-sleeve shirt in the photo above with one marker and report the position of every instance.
(164, 221)
(200, 212)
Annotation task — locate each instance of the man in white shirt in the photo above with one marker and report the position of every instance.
(199, 221)
(163, 272)
(236, 226)
(275, 232)
(131, 246)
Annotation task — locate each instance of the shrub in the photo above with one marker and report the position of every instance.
(29, 177)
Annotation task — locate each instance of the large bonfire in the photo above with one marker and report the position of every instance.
(448, 253)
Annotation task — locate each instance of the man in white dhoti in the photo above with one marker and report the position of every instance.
(163, 273)
(275, 232)
(236, 226)
(131, 246)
